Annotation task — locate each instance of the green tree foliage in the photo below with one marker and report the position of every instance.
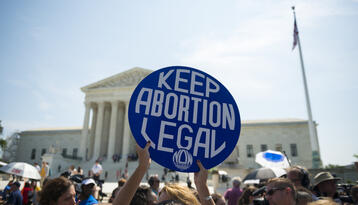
(3, 144)
(333, 166)
(1, 128)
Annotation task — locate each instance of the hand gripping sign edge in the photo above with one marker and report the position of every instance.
(187, 115)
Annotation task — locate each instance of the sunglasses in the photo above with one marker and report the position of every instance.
(273, 190)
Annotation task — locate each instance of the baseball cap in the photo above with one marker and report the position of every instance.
(88, 181)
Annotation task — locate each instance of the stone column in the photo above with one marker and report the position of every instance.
(99, 125)
(90, 143)
(126, 134)
(83, 144)
(112, 129)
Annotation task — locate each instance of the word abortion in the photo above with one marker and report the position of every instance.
(157, 103)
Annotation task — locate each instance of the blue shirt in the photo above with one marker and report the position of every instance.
(4, 194)
(90, 200)
(15, 198)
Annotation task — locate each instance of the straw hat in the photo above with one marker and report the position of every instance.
(324, 176)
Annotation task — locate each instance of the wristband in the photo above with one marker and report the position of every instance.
(208, 198)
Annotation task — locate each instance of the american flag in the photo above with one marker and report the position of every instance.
(295, 35)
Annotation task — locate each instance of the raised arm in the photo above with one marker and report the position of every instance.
(201, 186)
(127, 192)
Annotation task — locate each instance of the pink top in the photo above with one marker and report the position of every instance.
(232, 195)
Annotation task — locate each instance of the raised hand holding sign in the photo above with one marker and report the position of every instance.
(187, 115)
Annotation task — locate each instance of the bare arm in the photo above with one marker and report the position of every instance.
(201, 186)
(127, 192)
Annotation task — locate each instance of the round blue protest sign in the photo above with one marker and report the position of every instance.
(187, 115)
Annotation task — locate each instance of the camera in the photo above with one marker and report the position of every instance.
(260, 200)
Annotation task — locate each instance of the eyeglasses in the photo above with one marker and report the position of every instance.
(273, 190)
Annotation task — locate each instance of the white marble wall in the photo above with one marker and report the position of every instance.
(272, 133)
(44, 139)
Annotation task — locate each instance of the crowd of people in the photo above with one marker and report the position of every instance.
(294, 188)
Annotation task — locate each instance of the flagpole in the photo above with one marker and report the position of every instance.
(316, 161)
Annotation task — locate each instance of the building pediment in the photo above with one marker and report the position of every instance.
(125, 79)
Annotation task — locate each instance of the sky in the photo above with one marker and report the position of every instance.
(50, 49)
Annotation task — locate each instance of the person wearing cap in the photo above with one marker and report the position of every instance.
(325, 186)
(88, 188)
(15, 195)
(233, 194)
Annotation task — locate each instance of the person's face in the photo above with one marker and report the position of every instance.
(163, 196)
(88, 189)
(329, 187)
(67, 198)
(156, 183)
(277, 196)
(294, 178)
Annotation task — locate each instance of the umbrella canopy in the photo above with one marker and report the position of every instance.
(263, 174)
(21, 169)
(271, 158)
(2, 163)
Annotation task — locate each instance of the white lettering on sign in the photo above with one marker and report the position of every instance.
(205, 139)
(163, 135)
(186, 99)
(194, 83)
(178, 79)
(210, 85)
(187, 138)
(159, 103)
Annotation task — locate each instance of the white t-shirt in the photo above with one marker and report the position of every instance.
(96, 168)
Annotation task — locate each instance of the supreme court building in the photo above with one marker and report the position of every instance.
(106, 135)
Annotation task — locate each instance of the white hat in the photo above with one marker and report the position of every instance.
(88, 181)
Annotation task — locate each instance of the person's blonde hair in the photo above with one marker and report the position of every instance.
(181, 193)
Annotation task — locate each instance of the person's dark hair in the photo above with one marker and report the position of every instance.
(354, 193)
(140, 196)
(245, 196)
(303, 174)
(152, 179)
(53, 189)
(10, 182)
(27, 184)
(121, 182)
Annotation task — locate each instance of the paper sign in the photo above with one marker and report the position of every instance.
(187, 115)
